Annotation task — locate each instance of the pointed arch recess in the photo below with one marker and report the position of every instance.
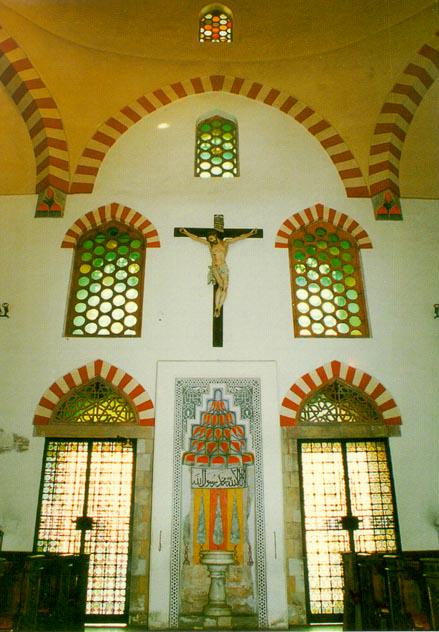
(351, 375)
(39, 113)
(396, 115)
(108, 133)
(103, 214)
(321, 212)
(124, 382)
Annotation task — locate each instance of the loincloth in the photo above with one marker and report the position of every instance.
(222, 269)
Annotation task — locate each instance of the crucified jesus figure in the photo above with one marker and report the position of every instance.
(218, 271)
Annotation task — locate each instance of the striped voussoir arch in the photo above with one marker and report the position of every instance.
(103, 214)
(312, 381)
(324, 213)
(122, 381)
(396, 115)
(39, 112)
(98, 146)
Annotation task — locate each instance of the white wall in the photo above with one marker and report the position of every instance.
(283, 170)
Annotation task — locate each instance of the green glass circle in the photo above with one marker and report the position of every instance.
(78, 321)
(227, 146)
(333, 237)
(216, 123)
(216, 141)
(341, 314)
(348, 269)
(135, 256)
(81, 294)
(216, 160)
(91, 328)
(77, 332)
(320, 231)
(355, 321)
(86, 256)
(335, 262)
(312, 275)
(99, 250)
(301, 281)
(315, 300)
(327, 295)
(314, 288)
(317, 328)
(96, 275)
(354, 308)
(100, 238)
(325, 281)
(299, 255)
(343, 328)
(98, 262)
(329, 321)
(109, 268)
(345, 244)
(80, 308)
(350, 281)
(227, 127)
(83, 281)
(121, 275)
(88, 244)
(304, 321)
(300, 268)
(205, 155)
(322, 244)
(122, 262)
(111, 244)
(352, 294)
(112, 231)
(228, 155)
(316, 314)
(323, 256)
(119, 288)
(298, 243)
(133, 281)
(346, 256)
(340, 301)
(110, 256)
(311, 250)
(124, 238)
(324, 268)
(302, 295)
(108, 281)
(337, 275)
(94, 300)
(227, 136)
(334, 250)
(311, 262)
(205, 127)
(356, 332)
(339, 288)
(309, 237)
(95, 288)
(123, 250)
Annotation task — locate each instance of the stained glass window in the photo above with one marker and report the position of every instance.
(327, 287)
(216, 25)
(107, 283)
(94, 403)
(338, 402)
(216, 148)
(85, 507)
(348, 506)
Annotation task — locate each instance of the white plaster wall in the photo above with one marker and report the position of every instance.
(283, 170)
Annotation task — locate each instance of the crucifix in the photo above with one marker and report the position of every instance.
(218, 239)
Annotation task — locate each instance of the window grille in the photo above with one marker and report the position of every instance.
(216, 148)
(216, 25)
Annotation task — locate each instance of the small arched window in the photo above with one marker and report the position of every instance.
(107, 283)
(216, 151)
(215, 24)
(327, 285)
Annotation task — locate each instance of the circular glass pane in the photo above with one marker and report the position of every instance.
(350, 281)
(343, 328)
(118, 313)
(302, 295)
(341, 314)
(92, 314)
(314, 288)
(105, 307)
(355, 321)
(81, 294)
(95, 288)
(325, 281)
(96, 275)
(119, 288)
(303, 308)
(353, 308)
(78, 321)
(313, 275)
(108, 281)
(130, 321)
(304, 321)
(326, 294)
(132, 294)
(315, 300)
(116, 328)
(104, 321)
(328, 308)
(91, 328)
(316, 314)
(329, 321)
(94, 300)
(107, 294)
(352, 294)
(317, 328)
(83, 281)
(118, 300)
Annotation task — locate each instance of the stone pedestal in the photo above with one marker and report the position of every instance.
(217, 563)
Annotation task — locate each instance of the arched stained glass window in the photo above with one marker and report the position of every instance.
(216, 24)
(337, 403)
(217, 148)
(107, 283)
(94, 403)
(327, 286)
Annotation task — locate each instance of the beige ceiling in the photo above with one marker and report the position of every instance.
(340, 57)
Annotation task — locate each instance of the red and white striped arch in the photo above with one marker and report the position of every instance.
(103, 214)
(39, 113)
(314, 380)
(122, 381)
(326, 214)
(396, 116)
(330, 140)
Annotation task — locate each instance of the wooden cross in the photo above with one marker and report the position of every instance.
(229, 234)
